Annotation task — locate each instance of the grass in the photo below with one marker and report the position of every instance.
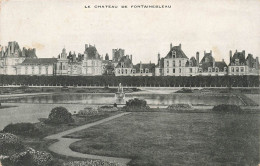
(160, 138)
(40, 144)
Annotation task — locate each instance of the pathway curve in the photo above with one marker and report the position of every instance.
(62, 146)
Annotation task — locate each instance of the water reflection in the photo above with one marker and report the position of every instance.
(153, 99)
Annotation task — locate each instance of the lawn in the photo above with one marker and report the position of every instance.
(161, 138)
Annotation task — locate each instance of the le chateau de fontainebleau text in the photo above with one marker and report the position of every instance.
(127, 6)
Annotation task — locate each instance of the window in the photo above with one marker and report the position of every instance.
(173, 63)
(167, 70)
(237, 69)
(179, 70)
(216, 69)
(179, 62)
(141, 71)
(200, 70)
(160, 70)
(32, 69)
(122, 64)
(173, 70)
(146, 70)
(232, 69)
(46, 70)
(26, 70)
(167, 63)
(118, 71)
(190, 70)
(40, 70)
(125, 71)
(133, 70)
(225, 68)
(242, 69)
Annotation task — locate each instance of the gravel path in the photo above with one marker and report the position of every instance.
(62, 146)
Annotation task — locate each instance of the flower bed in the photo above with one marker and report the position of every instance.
(10, 144)
(91, 163)
(179, 107)
(32, 157)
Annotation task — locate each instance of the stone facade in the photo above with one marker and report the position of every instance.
(239, 65)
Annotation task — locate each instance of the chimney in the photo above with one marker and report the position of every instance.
(140, 64)
(230, 56)
(236, 51)
(204, 52)
(223, 60)
(131, 57)
(180, 45)
(210, 52)
(170, 46)
(214, 63)
(12, 47)
(198, 58)
(244, 52)
(86, 46)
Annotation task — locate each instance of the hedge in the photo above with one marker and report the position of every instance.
(154, 81)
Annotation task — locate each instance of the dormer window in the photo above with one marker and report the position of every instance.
(216, 69)
(146, 70)
(133, 71)
(237, 61)
(209, 69)
(173, 54)
(122, 64)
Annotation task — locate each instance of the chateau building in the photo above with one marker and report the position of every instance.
(144, 69)
(14, 61)
(87, 64)
(239, 65)
(173, 64)
(11, 56)
(125, 67)
(209, 67)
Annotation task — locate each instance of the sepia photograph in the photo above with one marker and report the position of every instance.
(129, 83)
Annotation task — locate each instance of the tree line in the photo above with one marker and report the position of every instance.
(154, 81)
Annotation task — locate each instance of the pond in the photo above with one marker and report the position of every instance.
(152, 99)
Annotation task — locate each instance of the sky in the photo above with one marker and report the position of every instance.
(50, 25)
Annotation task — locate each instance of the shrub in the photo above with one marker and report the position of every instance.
(25, 129)
(10, 144)
(179, 107)
(136, 105)
(184, 90)
(227, 108)
(60, 115)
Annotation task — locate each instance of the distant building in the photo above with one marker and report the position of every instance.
(209, 67)
(144, 69)
(11, 56)
(117, 54)
(37, 66)
(125, 67)
(240, 65)
(173, 64)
